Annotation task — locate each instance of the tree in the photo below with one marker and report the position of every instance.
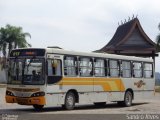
(158, 40)
(12, 37)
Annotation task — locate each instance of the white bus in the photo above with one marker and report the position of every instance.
(49, 77)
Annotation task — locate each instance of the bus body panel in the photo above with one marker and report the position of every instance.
(23, 94)
(90, 89)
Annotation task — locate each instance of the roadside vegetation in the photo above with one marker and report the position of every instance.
(11, 37)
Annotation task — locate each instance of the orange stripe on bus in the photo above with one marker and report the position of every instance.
(108, 84)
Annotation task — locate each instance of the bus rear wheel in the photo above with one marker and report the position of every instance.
(127, 100)
(38, 107)
(69, 101)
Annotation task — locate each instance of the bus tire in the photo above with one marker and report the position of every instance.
(38, 107)
(69, 101)
(128, 99)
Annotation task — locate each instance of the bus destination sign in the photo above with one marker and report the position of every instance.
(27, 52)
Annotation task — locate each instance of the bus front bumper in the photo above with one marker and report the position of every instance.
(26, 101)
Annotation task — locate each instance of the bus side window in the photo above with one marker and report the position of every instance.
(85, 66)
(70, 66)
(54, 71)
(54, 67)
(114, 68)
(126, 69)
(137, 69)
(99, 67)
(148, 70)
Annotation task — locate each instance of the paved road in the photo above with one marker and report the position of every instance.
(89, 112)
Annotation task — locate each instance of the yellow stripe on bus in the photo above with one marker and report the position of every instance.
(108, 84)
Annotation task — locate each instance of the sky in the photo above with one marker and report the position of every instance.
(79, 25)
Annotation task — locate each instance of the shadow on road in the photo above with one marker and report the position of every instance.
(56, 109)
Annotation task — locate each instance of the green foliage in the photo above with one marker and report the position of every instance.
(12, 37)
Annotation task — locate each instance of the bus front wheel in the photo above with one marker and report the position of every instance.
(69, 101)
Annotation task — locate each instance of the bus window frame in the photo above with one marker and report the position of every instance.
(105, 66)
(29, 57)
(131, 69)
(152, 76)
(91, 60)
(109, 69)
(56, 78)
(76, 67)
(133, 75)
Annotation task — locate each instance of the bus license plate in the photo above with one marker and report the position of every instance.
(22, 100)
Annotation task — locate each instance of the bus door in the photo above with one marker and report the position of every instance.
(54, 76)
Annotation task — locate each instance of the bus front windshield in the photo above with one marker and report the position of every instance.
(27, 71)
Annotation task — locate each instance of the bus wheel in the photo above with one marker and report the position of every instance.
(128, 99)
(69, 101)
(38, 107)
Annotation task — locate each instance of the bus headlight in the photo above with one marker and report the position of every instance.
(9, 93)
(37, 94)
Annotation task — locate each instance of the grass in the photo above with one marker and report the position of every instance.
(157, 89)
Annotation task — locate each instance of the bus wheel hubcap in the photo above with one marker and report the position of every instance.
(128, 99)
(70, 100)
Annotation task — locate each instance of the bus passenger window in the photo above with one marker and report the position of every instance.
(114, 68)
(126, 69)
(70, 66)
(148, 70)
(54, 68)
(137, 69)
(99, 67)
(85, 67)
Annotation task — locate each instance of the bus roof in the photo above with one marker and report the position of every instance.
(99, 55)
(89, 54)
